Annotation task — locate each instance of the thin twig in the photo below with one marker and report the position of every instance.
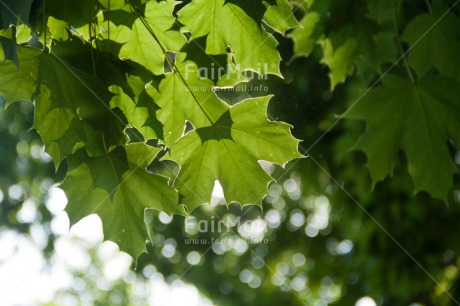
(398, 42)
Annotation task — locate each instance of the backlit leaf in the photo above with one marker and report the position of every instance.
(229, 151)
(227, 25)
(117, 188)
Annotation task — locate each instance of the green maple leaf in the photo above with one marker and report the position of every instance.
(434, 41)
(63, 96)
(179, 102)
(142, 47)
(58, 29)
(117, 188)
(66, 96)
(417, 119)
(229, 151)
(339, 57)
(280, 17)
(384, 12)
(307, 35)
(356, 46)
(18, 83)
(227, 25)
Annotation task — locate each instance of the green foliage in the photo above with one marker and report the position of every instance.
(280, 16)
(13, 14)
(82, 111)
(228, 151)
(120, 101)
(194, 101)
(418, 116)
(307, 35)
(150, 36)
(18, 83)
(421, 120)
(64, 97)
(339, 59)
(109, 186)
(227, 25)
(434, 41)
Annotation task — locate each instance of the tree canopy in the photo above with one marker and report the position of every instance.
(339, 119)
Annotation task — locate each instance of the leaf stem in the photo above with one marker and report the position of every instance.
(90, 29)
(428, 4)
(108, 24)
(45, 26)
(398, 42)
(104, 144)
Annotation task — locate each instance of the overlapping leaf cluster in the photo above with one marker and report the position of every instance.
(112, 80)
(407, 72)
(114, 92)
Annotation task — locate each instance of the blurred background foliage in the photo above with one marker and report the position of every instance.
(324, 236)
